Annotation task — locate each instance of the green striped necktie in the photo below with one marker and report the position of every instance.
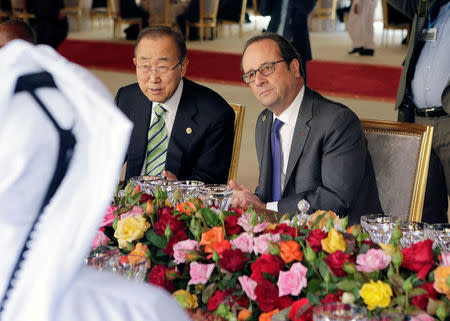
(157, 143)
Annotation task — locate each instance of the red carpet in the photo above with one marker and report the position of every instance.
(372, 82)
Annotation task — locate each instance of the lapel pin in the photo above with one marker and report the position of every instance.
(301, 133)
(264, 118)
(188, 130)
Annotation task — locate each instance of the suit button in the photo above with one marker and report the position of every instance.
(188, 130)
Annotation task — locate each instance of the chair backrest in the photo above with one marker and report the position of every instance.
(325, 9)
(387, 23)
(19, 10)
(159, 12)
(400, 153)
(239, 110)
(208, 10)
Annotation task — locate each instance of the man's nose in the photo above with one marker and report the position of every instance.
(260, 78)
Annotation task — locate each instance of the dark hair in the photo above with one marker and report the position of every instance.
(287, 50)
(20, 30)
(154, 32)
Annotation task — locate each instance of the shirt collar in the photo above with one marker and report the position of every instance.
(289, 116)
(172, 104)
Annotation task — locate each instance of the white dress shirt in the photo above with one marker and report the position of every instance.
(289, 118)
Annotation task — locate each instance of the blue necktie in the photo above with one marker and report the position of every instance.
(276, 160)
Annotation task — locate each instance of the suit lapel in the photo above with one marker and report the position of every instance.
(300, 133)
(265, 154)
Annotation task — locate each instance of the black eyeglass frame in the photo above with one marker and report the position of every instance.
(158, 71)
(261, 70)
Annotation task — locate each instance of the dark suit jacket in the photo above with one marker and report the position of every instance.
(204, 154)
(328, 165)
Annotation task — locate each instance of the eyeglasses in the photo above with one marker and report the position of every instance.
(265, 70)
(159, 70)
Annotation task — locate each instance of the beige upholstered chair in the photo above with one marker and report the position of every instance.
(324, 10)
(208, 19)
(400, 154)
(101, 14)
(118, 20)
(159, 12)
(74, 8)
(239, 110)
(241, 21)
(19, 10)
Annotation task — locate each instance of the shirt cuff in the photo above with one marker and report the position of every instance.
(272, 206)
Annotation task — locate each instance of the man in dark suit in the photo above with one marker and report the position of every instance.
(308, 147)
(197, 123)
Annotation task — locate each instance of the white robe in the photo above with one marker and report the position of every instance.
(360, 26)
(53, 282)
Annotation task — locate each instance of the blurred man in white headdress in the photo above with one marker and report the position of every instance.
(360, 27)
(62, 143)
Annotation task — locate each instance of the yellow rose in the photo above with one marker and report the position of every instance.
(185, 299)
(388, 249)
(441, 275)
(333, 242)
(130, 229)
(376, 295)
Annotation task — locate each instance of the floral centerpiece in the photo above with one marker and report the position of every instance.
(235, 265)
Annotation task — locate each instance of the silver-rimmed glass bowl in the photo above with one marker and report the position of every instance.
(379, 227)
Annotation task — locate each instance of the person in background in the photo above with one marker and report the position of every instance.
(14, 29)
(424, 93)
(67, 159)
(308, 147)
(360, 27)
(181, 129)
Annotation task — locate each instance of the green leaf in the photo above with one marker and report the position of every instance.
(323, 269)
(313, 285)
(417, 291)
(208, 292)
(285, 237)
(157, 240)
(348, 285)
(210, 216)
(312, 298)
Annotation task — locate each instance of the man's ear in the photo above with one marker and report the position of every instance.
(294, 66)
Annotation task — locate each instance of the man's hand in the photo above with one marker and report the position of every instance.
(243, 197)
(169, 175)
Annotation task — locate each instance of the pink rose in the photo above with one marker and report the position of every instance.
(422, 317)
(292, 281)
(109, 216)
(244, 221)
(248, 286)
(135, 211)
(372, 260)
(100, 239)
(445, 259)
(182, 248)
(261, 243)
(243, 242)
(200, 273)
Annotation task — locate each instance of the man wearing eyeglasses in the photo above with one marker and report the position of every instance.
(182, 130)
(308, 147)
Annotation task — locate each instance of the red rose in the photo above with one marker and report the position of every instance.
(233, 260)
(145, 198)
(284, 302)
(157, 277)
(336, 260)
(332, 297)
(266, 295)
(231, 225)
(179, 236)
(242, 301)
(314, 239)
(217, 298)
(266, 263)
(301, 310)
(419, 258)
(421, 301)
(165, 220)
(284, 229)
(237, 210)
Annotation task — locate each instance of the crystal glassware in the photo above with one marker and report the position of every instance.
(379, 227)
(170, 186)
(440, 233)
(413, 232)
(143, 182)
(336, 311)
(99, 256)
(189, 189)
(132, 267)
(217, 195)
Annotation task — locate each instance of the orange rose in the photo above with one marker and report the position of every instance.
(139, 251)
(441, 274)
(186, 208)
(244, 314)
(221, 246)
(290, 251)
(268, 315)
(211, 237)
(149, 207)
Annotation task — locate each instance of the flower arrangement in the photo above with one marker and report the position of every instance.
(235, 265)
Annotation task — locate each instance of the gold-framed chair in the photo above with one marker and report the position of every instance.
(159, 13)
(118, 20)
(400, 153)
(74, 8)
(324, 10)
(101, 13)
(207, 19)
(19, 10)
(239, 111)
(240, 23)
(389, 25)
